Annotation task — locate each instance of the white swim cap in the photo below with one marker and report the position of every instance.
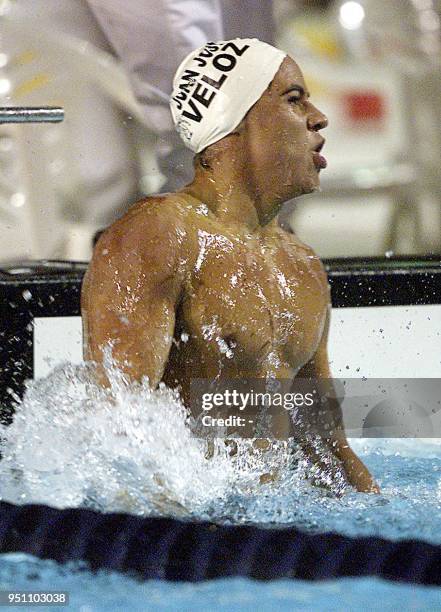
(216, 85)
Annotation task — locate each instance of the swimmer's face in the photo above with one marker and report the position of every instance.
(282, 131)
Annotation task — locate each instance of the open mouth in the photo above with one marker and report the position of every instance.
(319, 160)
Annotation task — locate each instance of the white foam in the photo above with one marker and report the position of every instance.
(130, 449)
(72, 443)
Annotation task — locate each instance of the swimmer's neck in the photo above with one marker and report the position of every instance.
(229, 193)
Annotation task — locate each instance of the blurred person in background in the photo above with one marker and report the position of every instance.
(88, 169)
(59, 182)
(152, 37)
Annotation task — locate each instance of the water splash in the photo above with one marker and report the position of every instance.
(129, 449)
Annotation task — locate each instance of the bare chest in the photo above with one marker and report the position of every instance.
(255, 303)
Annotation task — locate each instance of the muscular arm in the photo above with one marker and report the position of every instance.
(326, 421)
(131, 291)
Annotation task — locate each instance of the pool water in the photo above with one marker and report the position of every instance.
(106, 592)
(129, 450)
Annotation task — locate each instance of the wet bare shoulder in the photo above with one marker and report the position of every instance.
(153, 228)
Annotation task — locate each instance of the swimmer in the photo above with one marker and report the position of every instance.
(203, 282)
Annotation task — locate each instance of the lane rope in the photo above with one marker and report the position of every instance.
(169, 549)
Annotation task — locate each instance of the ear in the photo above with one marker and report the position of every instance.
(202, 160)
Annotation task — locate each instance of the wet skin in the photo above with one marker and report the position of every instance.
(203, 282)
